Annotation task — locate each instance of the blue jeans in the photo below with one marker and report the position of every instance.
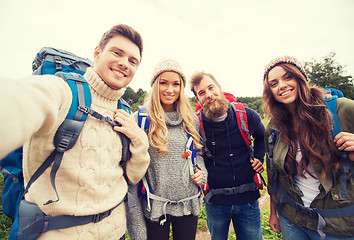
(246, 219)
(293, 232)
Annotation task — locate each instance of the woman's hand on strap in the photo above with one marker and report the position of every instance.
(345, 142)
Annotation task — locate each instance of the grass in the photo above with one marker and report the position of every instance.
(5, 225)
(5, 222)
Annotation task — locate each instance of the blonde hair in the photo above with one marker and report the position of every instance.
(158, 133)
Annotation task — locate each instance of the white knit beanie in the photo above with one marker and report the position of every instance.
(168, 65)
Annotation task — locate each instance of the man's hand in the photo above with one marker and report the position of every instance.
(198, 177)
(129, 126)
(345, 142)
(257, 165)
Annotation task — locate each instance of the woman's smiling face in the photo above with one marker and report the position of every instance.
(169, 89)
(283, 86)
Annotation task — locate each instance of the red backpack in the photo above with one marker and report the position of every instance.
(242, 125)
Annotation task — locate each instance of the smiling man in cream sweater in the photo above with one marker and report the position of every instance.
(90, 179)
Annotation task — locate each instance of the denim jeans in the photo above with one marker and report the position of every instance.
(246, 219)
(293, 232)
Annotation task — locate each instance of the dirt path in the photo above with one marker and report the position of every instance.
(205, 235)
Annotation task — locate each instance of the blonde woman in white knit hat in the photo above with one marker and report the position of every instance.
(169, 175)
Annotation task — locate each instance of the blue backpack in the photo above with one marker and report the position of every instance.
(71, 68)
(331, 96)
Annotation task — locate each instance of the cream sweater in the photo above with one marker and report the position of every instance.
(89, 180)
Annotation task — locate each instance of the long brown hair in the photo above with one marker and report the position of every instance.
(310, 126)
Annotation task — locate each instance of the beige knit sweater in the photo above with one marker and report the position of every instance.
(89, 179)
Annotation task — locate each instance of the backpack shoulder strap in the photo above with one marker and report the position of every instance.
(190, 147)
(242, 121)
(126, 154)
(272, 139)
(122, 104)
(199, 115)
(143, 118)
(191, 155)
(80, 92)
(69, 131)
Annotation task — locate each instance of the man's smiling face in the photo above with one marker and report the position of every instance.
(117, 63)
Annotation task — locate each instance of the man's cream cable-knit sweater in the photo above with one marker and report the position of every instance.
(90, 179)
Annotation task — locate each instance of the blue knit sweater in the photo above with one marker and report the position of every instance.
(229, 164)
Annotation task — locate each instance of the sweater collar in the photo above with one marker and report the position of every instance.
(173, 118)
(101, 87)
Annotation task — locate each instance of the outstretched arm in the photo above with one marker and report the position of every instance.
(35, 105)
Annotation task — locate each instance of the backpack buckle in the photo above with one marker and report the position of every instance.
(110, 121)
(57, 60)
(99, 217)
(229, 191)
(64, 142)
(83, 109)
(306, 210)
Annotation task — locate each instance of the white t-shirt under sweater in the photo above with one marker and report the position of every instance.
(90, 179)
(309, 186)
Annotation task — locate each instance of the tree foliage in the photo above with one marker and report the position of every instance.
(193, 102)
(252, 102)
(329, 74)
(135, 99)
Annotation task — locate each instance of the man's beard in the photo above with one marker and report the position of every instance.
(217, 109)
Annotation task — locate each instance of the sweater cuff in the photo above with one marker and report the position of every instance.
(141, 139)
